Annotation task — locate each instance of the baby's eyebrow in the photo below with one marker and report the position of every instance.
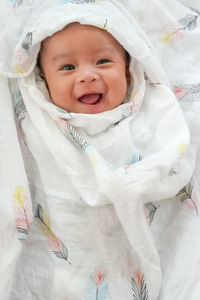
(67, 54)
(96, 50)
(104, 48)
(60, 56)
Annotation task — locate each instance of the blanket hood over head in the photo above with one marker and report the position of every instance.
(81, 180)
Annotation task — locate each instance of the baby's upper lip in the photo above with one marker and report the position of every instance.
(88, 89)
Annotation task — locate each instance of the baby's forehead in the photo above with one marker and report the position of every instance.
(71, 31)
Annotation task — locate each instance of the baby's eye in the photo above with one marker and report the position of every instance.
(68, 68)
(102, 61)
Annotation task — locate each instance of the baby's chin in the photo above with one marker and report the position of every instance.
(96, 107)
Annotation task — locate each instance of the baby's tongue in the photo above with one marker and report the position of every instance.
(89, 98)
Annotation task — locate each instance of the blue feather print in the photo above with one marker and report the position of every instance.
(78, 1)
(16, 2)
(64, 1)
(97, 287)
(136, 158)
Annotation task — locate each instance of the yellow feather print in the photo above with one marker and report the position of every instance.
(47, 231)
(44, 223)
(19, 196)
(53, 242)
(165, 39)
(45, 218)
(187, 189)
(133, 94)
(182, 148)
(17, 68)
(93, 159)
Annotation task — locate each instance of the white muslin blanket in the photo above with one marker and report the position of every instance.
(101, 206)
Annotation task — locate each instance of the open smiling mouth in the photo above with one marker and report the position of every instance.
(91, 99)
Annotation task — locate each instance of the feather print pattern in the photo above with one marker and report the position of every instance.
(150, 210)
(22, 215)
(188, 93)
(186, 195)
(16, 3)
(171, 33)
(71, 132)
(174, 31)
(22, 61)
(54, 243)
(135, 159)
(19, 107)
(189, 22)
(78, 1)
(20, 111)
(78, 139)
(150, 82)
(139, 286)
(27, 42)
(125, 114)
(137, 101)
(182, 149)
(97, 287)
(22, 55)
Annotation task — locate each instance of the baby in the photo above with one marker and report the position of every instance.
(96, 125)
(86, 70)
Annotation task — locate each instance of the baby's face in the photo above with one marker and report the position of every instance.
(85, 69)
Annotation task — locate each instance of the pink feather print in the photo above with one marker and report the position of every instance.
(22, 216)
(150, 81)
(187, 196)
(98, 278)
(22, 61)
(53, 242)
(180, 93)
(63, 123)
(72, 133)
(139, 286)
(97, 287)
(188, 93)
(137, 102)
(172, 32)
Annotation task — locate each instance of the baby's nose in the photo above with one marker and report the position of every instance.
(87, 76)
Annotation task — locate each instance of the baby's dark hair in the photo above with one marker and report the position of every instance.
(127, 58)
(38, 64)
